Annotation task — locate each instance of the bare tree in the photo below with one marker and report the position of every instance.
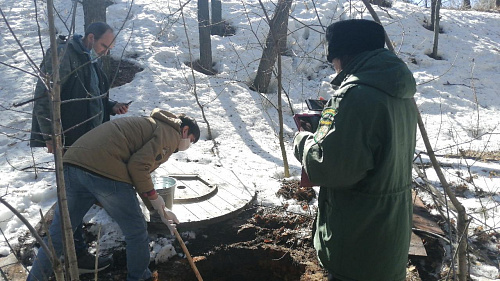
(286, 168)
(433, 14)
(55, 96)
(194, 84)
(205, 41)
(94, 11)
(219, 26)
(276, 38)
(53, 86)
(436, 30)
(217, 23)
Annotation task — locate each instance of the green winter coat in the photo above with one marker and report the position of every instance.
(361, 156)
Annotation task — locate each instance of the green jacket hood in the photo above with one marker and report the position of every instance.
(167, 117)
(380, 69)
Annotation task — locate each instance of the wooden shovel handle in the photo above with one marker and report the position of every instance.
(186, 252)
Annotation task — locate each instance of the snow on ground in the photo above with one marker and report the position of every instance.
(458, 96)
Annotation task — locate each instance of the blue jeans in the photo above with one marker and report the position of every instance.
(119, 200)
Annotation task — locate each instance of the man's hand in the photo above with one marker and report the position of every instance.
(169, 219)
(157, 201)
(166, 215)
(50, 146)
(120, 108)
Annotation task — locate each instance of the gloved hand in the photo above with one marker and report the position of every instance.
(166, 215)
(158, 203)
(170, 219)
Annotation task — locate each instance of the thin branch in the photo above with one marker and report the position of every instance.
(194, 80)
(13, 251)
(441, 75)
(17, 68)
(33, 64)
(28, 225)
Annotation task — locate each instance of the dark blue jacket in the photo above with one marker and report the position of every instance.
(75, 74)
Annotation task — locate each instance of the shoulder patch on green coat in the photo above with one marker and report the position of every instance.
(325, 124)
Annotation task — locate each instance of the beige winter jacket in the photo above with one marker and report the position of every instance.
(128, 149)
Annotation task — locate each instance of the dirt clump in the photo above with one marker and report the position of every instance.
(260, 244)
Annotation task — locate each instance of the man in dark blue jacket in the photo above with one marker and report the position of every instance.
(82, 79)
(86, 105)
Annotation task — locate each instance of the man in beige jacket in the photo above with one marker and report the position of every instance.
(109, 165)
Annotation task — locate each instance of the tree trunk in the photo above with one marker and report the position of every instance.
(94, 11)
(286, 168)
(204, 32)
(217, 24)
(498, 4)
(436, 30)
(282, 25)
(466, 4)
(69, 245)
(274, 42)
(433, 14)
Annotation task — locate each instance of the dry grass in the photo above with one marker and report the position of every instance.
(478, 155)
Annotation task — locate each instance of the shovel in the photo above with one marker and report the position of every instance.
(186, 252)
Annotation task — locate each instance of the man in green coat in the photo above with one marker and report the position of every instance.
(361, 157)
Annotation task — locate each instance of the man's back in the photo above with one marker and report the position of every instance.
(127, 149)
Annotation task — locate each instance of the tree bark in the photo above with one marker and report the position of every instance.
(55, 92)
(436, 30)
(217, 24)
(94, 11)
(286, 168)
(204, 35)
(433, 14)
(275, 40)
(282, 25)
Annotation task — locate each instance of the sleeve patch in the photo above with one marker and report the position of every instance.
(325, 124)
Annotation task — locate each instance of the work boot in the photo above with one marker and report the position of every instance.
(86, 263)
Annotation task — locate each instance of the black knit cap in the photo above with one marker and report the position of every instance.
(351, 37)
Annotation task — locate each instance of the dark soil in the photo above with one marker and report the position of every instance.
(263, 243)
(119, 72)
(259, 244)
